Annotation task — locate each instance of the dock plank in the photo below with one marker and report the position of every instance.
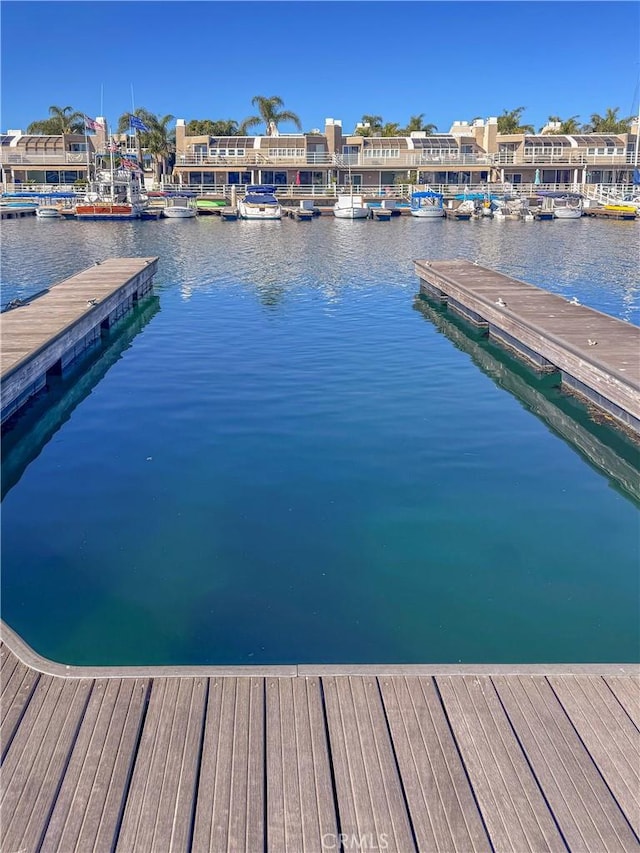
(232, 768)
(368, 787)
(89, 806)
(18, 685)
(512, 805)
(443, 810)
(158, 812)
(608, 734)
(627, 692)
(300, 802)
(583, 806)
(37, 759)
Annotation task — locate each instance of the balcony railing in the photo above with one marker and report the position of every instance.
(27, 158)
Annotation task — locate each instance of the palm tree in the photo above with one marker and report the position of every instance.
(210, 127)
(270, 115)
(509, 122)
(390, 128)
(160, 143)
(370, 124)
(567, 125)
(609, 122)
(416, 124)
(61, 120)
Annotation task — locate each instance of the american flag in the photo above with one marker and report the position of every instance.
(112, 146)
(92, 124)
(129, 164)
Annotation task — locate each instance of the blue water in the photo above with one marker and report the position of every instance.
(287, 460)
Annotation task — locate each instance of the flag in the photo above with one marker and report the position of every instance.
(137, 124)
(92, 124)
(129, 164)
(112, 146)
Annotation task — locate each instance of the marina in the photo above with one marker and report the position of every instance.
(291, 758)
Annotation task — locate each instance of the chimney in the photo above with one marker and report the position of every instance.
(333, 133)
(181, 132)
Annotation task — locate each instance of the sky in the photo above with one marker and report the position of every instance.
(450, 61)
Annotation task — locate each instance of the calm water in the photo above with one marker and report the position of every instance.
(286, 457)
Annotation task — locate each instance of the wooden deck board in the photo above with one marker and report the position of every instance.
(300, 806)
(627, 692)
(18, 683)
(398, 761)
(232, 769)
(89, 806)
(160, 801)
(442, 807)
(608, 734)
(584, 808)
(370, 798)
(512, 805)
(37, 759)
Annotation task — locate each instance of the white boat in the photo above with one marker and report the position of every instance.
(48, 211)
(115, 193)
(427, 204)
(350, 207)
(565, 205)
(180, 207)
(259, 202)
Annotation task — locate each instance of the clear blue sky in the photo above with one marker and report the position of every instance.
(450, 61)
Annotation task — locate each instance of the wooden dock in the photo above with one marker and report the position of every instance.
(46, 334)
(319, 759)
(595, 354)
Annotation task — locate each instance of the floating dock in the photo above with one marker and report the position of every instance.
(44, 335)
(595, 354)
(484, 758)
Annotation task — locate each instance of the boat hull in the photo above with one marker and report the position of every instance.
(179, 212)
(48, 213)
(106, 211)
(567, 213)
(428, 213)
(351, 212)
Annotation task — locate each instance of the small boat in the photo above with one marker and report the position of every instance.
(48, 211)
(180, 206)
(350, 207)
(565, 205)
(427, 204)
(259, 202)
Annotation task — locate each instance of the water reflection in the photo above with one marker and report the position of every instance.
(605, 448)
(25, 435)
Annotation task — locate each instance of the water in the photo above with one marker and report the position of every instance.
(286, 457)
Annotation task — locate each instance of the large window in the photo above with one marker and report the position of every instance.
(278, 178)
(381, 152)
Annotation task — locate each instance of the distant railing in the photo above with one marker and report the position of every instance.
(20, 158)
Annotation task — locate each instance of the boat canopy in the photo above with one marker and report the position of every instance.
(427, 194)
(261, 188)
(260, 198)
(477, 196)
(39, 195)
(558, 194)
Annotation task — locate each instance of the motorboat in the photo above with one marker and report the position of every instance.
(350, 207)
(115, 193)
(180, 206)
(259, 202)
(427, 204)
(566, 205)
(48, 211)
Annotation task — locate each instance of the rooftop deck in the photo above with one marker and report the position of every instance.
(318, 758)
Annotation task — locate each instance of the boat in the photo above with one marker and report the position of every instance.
(180, 206)
(427, 204)
(48, 211)
(350, 207)
(115, 193)
(259, 202)
(566, 205)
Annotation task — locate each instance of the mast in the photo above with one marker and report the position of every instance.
(111, 163)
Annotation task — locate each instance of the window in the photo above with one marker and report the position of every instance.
(379, 153)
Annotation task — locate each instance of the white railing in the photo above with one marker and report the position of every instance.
(42, 159)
